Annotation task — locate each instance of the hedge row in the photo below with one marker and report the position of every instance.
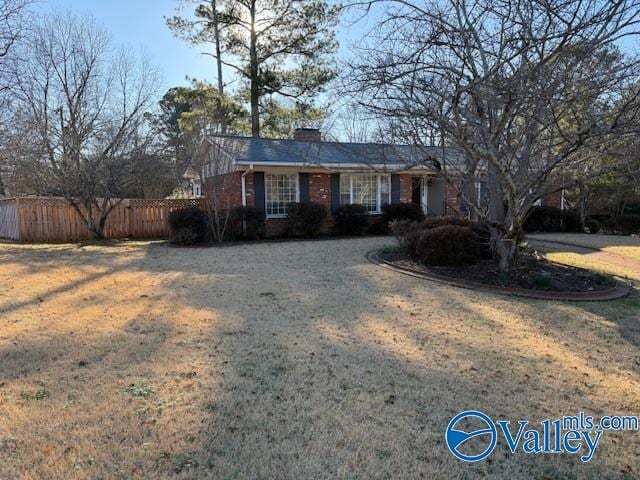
(552, 219)
(304, 220)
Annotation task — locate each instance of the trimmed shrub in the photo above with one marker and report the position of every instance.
(187, 226)
(571, 221)
(632, 209)
(411, 234)
(378, 227)
(402, 211)
(627, 224)
(394, 212)
(446, 245)
(551, 219)
(305, 219)
(592, 225)
(246, 223)
(350, 220)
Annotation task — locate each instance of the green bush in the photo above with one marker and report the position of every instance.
(378, 227)
(402, 211)
(350, 220)
(246, 223)
(446, 245)
(394, 212)
(305, 219)
(419, 242)
(627, 224)
(551, 219)
(408, 233)
(592, 225)
(632, 209)
(187, 226)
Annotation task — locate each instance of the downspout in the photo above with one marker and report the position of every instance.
(244, 185)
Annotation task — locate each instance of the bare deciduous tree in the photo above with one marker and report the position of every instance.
(14, 23)
(525, 89)
(80, 113)
(215, 166)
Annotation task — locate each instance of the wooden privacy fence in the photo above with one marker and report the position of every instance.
(54, 220)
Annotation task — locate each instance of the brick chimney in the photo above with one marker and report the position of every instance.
(307, 135)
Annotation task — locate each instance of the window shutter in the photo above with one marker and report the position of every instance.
(335, 192)
(395, 188)
(303, 180)
(258, 190)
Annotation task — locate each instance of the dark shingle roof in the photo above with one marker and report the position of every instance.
(332, 154)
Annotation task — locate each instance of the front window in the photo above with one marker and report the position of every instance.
(281, 190)
(369, 190)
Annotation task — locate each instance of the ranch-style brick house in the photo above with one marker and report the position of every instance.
(271, 173)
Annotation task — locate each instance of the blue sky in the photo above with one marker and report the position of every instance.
(140, 24)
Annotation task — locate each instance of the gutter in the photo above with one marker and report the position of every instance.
(335, 166)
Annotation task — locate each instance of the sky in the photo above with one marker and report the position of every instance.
(140, 24)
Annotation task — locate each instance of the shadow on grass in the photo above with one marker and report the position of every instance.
(324, 366)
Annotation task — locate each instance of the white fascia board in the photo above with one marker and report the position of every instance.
(338, 166)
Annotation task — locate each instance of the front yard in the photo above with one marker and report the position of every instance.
(289, 360)
(612, 254)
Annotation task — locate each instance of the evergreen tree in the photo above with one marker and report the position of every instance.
(279, 48)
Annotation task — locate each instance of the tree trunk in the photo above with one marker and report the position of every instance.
(97, 233)
(253, 67)
(506, 250)
(216, 33)
(582, 208)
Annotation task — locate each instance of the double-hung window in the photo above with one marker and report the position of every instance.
(371, 191)
(280, 191)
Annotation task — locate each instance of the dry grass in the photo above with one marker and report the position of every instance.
(290, 360)
(617, 255)
(625, 246)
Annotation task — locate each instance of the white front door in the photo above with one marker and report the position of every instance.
(424, 195)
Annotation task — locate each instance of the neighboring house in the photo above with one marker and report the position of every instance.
(269, 174)
(191, 185)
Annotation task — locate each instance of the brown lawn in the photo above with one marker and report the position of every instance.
(288, 361)
(612, 254)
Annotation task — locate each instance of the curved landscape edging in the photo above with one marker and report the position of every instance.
(621, 290)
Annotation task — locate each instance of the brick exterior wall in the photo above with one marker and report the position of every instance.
(230, 194)
(320, 189)
(320, 192)
(405, 188)
(307, 135)
(452, 200)
(553, 200)
(275, 227)
(228, 188)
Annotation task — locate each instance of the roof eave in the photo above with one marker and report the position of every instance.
(342, 166)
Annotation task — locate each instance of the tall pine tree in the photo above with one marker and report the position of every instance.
(279, 48)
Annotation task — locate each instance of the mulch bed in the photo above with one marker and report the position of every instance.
(531, 273)
(537, 279)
